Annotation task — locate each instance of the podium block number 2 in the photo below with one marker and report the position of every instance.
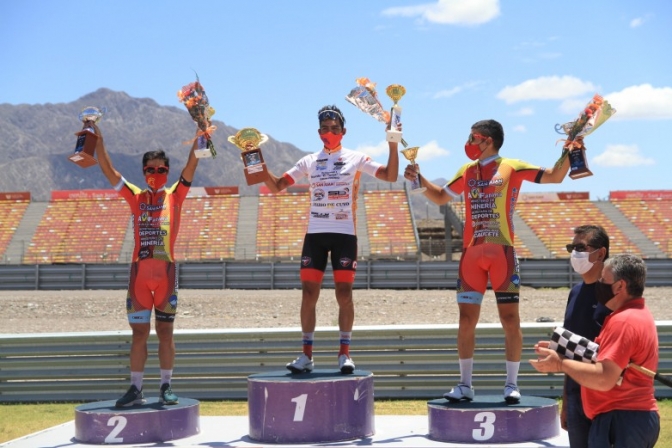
(300, 407)
(486, 422)
(118, 424)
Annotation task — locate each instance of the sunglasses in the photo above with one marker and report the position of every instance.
(330, 115)
(155, 169)
(473, 137)
(578, 247)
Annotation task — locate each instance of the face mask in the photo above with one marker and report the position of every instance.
(156, 180)
(473, 151)
(604, 293)
(580, 262)
(331, 140)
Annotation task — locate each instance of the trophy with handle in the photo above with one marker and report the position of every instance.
(87, 138)
(395, 92)
(411, 154)
(248, 141)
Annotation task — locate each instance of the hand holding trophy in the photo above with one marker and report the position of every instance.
(596, 112)
(416, 184)
(248, 141)
(395, 92)
(87, 138)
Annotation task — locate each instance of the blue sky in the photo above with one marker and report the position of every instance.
(272, 64)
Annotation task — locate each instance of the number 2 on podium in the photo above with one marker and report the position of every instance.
(300, 407)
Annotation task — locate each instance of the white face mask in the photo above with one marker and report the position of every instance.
(580, 261)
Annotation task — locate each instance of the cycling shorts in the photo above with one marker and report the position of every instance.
(152, 285)
(316, 248)
(496, 261)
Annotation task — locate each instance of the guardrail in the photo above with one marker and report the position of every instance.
(407, 361)
(378, 274)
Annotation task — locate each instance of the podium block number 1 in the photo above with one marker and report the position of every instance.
(300, 408)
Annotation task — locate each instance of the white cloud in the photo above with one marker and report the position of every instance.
(634, 23)
(546, 88)
(525, 111)
(642, 102)
(519, 128)
(379, 152)
(447, 93)
(450, 12)
(622, 156)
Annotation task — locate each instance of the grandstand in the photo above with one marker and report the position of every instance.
(93, 226)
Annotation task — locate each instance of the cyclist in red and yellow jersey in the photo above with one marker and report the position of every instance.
(490, 185)
(153, 282)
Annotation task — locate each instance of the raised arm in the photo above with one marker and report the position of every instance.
(434, 193)
(192, 162)
(390, 172)
(559, 171)
(113, 176)
(276, 184)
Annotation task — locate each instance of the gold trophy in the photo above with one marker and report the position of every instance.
(86, 138)
(411, 154)
(248, 141)
(395, 91)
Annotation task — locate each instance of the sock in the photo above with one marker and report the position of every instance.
(136, 379)
(166, 376)
(466, 370)
(512, 372)
(308, 344)
(345, 343)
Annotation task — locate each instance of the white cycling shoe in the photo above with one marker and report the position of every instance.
(511, 393)
(459, 393)
(301, 364)
(346, 364)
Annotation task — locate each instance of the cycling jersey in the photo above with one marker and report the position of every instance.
(156, 218)
(491, 189)
(334, 185)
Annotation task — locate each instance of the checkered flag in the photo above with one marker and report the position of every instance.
(573, 346)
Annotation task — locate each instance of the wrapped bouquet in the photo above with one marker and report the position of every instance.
(196, 101)
(596, 112)
(365, 98)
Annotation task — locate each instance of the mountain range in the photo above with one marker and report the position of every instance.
(36, 140)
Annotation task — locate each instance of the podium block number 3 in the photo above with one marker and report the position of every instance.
(486, 425)
(118, 424)
(300, 407)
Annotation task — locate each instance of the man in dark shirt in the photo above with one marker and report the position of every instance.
(583, 316)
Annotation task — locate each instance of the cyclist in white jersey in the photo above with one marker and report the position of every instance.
(333, 174)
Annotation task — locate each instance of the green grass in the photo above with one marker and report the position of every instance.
(17, 420)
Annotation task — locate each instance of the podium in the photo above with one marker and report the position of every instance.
(102, 423)
(489, 419)
(317, 407)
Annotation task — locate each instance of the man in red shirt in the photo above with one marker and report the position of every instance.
(490, 185)
(153, 281)
(619, 400)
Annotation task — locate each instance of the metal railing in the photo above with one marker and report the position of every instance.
(407, 361)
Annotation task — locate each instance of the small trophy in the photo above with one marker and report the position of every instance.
(86, 138)
(248, 141)
(395, 91)
(411, 154)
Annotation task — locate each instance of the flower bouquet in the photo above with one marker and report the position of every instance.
(596, 112)
(365, 98)
(196, 101)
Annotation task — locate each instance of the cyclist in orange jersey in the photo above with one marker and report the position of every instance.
(490, 185)
(153, 281)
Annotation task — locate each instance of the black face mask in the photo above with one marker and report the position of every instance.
(604, 292)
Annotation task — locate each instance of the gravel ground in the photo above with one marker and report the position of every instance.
(75, 311)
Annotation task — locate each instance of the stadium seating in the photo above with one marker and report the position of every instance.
(554, 221)
(652, 216)
(282, 224)
(11, 212)
(208, 228)
(80, 231)
(390, 229)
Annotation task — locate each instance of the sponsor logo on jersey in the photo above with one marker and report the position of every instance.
(151, 207)
(320, 215)
(318, 194)
(338, 194)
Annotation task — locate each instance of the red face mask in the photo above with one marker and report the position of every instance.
(472, 150)
(331, 140)
(156, 180)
